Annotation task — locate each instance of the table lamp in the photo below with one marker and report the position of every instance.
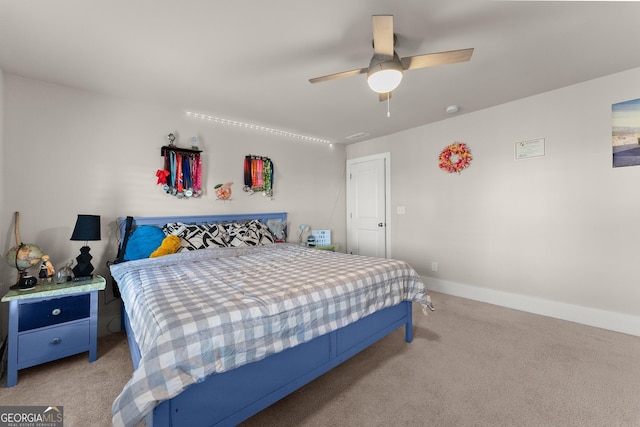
(303, 229)
(87, 228)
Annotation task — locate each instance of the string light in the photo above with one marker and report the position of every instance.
(257, 127)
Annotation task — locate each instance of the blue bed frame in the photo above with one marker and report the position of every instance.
(226, 399)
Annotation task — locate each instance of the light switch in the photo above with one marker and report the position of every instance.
(401, 210)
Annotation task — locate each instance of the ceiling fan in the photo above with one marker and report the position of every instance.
(386, 67)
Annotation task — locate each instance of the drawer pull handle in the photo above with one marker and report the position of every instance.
(56, 311)
(55, 341)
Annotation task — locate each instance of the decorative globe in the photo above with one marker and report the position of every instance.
(24, 256)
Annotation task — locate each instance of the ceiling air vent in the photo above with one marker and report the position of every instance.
(355, 136)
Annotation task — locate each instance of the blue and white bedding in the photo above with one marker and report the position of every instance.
(199, 312)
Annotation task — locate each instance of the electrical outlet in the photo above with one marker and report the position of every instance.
(434, 266)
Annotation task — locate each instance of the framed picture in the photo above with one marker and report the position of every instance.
(528, 149)
(625, 133)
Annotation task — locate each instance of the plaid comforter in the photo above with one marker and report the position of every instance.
(199, 312)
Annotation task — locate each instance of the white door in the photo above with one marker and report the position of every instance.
(367, 206)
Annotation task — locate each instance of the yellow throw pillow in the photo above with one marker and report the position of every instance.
(170, 245)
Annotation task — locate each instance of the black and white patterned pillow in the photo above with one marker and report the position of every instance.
(278, 229)
(175, 228)
(201, 236)
(250, 233)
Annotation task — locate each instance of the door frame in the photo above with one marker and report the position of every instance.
(387, 196)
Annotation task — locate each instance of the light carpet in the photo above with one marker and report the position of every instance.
(470, 364)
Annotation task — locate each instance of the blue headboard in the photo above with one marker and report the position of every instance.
(159, 221)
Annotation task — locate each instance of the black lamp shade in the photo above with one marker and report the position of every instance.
(87, 228)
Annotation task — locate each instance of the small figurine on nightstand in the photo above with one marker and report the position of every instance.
(46, 270)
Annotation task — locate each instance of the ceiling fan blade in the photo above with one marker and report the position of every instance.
(384, 96)
(339, 75)
(433, 59)
(383, 35)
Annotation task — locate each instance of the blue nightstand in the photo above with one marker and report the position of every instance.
(50, 322)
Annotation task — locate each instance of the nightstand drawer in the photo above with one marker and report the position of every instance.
(52, 343)
(53, 311)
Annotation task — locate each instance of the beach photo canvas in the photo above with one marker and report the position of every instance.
(625, 133)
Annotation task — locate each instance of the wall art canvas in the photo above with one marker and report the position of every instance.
(625, 133)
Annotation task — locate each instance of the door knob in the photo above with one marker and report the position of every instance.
(381, 224)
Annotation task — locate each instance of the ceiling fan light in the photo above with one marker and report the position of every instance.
(384, 75)
(384, 80)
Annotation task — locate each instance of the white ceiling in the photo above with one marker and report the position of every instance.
(250, 60)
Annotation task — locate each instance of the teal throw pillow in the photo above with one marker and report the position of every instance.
(144, 240)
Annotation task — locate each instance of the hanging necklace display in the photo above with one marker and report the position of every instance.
(197, 167)
(258, 175)
(172, 168)
(179, 178)
(182, 173)
(163, 174)
(186, 172)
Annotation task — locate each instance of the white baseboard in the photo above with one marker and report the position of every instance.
(613, 321)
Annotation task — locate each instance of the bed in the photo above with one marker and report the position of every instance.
(216, 335)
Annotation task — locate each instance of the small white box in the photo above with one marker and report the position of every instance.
(323, 237)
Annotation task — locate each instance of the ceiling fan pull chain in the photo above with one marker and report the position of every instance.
(388, 102)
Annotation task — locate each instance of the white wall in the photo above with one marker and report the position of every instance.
(556, 234)
(68, 152)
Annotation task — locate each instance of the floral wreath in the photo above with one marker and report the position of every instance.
(458, 151)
